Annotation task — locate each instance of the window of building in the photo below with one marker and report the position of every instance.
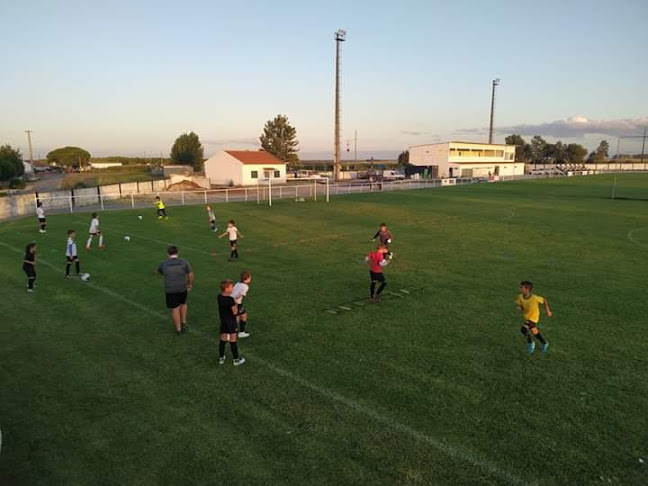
(277, 174)
(254, 174)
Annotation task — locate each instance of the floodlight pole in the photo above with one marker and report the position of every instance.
(31, 151)
(492, 111)
(340, 36)
(643, 149)
(269, 192)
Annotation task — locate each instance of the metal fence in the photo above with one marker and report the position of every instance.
(96, 199)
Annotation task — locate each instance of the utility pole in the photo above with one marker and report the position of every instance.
(340, 36)
(355, 148)
(492, 112)
(31, 150)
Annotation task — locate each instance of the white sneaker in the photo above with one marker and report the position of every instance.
(222, 360)
(243, 334)
(30, 290)
(42, 231)
(239, 362)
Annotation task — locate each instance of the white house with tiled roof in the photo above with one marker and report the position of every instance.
(244, 168)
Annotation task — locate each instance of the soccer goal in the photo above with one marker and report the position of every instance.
(296, 189)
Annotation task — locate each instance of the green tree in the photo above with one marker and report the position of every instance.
(69, 157)
(522, 149)
(280, 139)
(403, 158)
(538, 145)
(187, 150)
(576, 153)
(560, 153)
(11, 164)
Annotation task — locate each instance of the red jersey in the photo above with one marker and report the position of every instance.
(375, 257)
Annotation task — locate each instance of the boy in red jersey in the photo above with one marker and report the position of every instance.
(377, 260)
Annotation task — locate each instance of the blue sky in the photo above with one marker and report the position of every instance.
(127, 77)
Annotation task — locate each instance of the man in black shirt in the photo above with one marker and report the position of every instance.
(228, 310)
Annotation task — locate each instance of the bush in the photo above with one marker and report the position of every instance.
(17, 183)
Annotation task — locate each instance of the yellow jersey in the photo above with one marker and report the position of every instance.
(530, 307)
(159, 204)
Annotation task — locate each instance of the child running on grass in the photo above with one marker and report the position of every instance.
(529, 304)
(29, 265)
(212, 218)
(233, 234)
(71, 254)
(94, 231)
(376, 260)
(385, 237)
(227, 309)
(240, 290)
(161, 208)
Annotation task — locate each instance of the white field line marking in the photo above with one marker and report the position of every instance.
(631, 237)
(449, 450)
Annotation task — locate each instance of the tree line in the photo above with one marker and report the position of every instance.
(539, 151)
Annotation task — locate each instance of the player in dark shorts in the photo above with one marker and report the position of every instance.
(40, 214)
(228, 310)
(376, 260)
(385, 237)
(178, 280)
(29, 265)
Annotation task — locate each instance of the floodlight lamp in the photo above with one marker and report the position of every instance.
(496, 81)
(340, 35)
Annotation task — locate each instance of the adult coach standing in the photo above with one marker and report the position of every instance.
(178, 280)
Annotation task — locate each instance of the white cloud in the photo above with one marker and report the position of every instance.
(579, 127)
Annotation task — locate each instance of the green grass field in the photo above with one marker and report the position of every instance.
(430, 387)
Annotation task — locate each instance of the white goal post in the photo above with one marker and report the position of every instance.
(303, 188)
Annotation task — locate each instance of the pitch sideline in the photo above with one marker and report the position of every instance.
(449, 450)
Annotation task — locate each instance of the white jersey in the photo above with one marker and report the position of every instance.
(211, 215)
(233, 233)
(94, 226)
(40, 213)
(71, 248)
(240, 290)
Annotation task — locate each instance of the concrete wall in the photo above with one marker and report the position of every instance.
(428, 155)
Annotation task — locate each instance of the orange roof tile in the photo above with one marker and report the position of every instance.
(255, 157)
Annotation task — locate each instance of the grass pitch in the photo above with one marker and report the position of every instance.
(428, 387)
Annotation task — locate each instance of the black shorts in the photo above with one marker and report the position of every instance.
(42, 220)
(176, 299)
(241, 310)
(377, 276)
(95, 234)
(71, 259)
(228, 328)
(29, 270)
(233, 243)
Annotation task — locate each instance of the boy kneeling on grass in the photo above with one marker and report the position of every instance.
(228, 310)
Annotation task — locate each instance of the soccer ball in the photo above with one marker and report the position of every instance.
(389, 241)
(126, 238)
(85, 277)
(140, 217)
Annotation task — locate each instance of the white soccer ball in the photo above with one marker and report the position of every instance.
(126, 238)
(85, 277)
(140, 217)
(389, 241)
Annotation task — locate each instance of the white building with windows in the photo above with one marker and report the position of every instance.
(244, 168)
(465, 159)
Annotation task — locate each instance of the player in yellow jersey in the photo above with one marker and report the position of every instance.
(161, 208)
(529, 304)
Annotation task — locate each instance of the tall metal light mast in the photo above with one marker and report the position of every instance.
(31, 151)
(340, 36)
(492, 113)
